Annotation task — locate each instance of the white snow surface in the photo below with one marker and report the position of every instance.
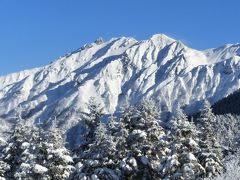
(118, 71)
(39, 169)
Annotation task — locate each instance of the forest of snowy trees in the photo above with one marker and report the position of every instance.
(134, 145)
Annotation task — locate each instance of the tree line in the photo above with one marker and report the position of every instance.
(134, 145)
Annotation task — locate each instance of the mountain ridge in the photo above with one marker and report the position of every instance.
(122, 70)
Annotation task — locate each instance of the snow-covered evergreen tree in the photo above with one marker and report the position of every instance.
(33, 153)
(16, 148)
(128, 143)
(208, 127)
(182, 162)
(96, 156)
(144, 134)
(232, 168)
(92, 120)
(228, 132)
(98, 159)
(211, 152)
(117, 129)
(57, 158)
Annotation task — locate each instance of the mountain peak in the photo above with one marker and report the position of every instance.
(162, 38)
(122, 70)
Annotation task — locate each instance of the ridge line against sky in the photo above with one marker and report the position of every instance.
(33, 33)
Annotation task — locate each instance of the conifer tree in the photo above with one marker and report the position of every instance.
(182, 162)
(57, 158)
(96, 155)
(117, 129)
(92, 120)
(144, 133)
(16, 148)
(11, 151)
(228, 133)
(98, 159)
(33, 153)
(211, 152)
(207, 126)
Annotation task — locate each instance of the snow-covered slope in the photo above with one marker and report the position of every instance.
(119, 71)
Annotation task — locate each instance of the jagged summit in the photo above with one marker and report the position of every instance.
(162, 38)
(122, 70)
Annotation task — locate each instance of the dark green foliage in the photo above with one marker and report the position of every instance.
(228, 105)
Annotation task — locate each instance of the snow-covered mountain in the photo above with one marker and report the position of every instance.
(122, 70)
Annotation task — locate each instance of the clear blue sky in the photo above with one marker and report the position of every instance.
(35, 32)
